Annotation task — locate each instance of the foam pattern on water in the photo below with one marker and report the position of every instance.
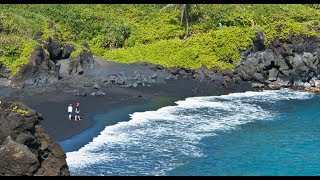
(154, 142)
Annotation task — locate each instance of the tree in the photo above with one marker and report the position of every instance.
(185, 9)
(315, 6)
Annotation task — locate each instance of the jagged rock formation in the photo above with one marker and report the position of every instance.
(40, 70)
(26, 150)
(44, 68)
(78, 65)
(54, 49)
(47, 69)
(290, 62)
(4, 72)
(56, 52)
(70, 67)
(67, 50)
(293, 62)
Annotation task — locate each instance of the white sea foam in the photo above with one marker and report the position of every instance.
(154, 142)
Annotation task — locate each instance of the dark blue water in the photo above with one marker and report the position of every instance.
(287, 145)
(252, 133)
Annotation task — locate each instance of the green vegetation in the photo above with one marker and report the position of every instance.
(142, 33)
(78, 48)
(184, 18)
(20, 111)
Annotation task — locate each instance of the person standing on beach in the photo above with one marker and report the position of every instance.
(77, 111)
(70, 111)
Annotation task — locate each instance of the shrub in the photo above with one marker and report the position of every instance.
(16, 52)
(217, 48)
(141, 33)
(20, 111)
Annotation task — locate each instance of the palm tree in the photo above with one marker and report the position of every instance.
(184, 14)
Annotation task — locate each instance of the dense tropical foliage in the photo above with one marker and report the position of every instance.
(142, 33)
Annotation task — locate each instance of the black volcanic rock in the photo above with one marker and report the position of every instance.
(16, 159)
(54, 49)
(67, 50)
(285, 62)
(83, 62)
(4, 72)
(258, 42)
(40, 70)
(26, 150)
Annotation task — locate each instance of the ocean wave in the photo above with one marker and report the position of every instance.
(154, 142)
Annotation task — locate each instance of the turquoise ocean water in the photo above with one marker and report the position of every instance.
(251, 133)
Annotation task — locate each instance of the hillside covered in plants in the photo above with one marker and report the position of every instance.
(149, 33)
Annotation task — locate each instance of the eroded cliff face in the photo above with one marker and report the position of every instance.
(285, 63)
(26, 150)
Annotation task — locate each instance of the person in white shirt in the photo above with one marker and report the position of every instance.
(70, 111)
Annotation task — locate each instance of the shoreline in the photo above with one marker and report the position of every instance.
(109, 118)
(53, 105)
(151, 103)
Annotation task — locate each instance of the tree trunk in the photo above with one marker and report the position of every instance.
(182, 15)
(187, 20)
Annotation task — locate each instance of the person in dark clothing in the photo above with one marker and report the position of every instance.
(77, 112)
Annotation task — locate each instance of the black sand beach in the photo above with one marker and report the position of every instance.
(53, 105)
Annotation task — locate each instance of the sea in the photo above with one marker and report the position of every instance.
(266, 133)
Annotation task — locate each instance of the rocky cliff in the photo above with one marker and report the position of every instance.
(26, 150)
(291, 62)
(285, 63)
